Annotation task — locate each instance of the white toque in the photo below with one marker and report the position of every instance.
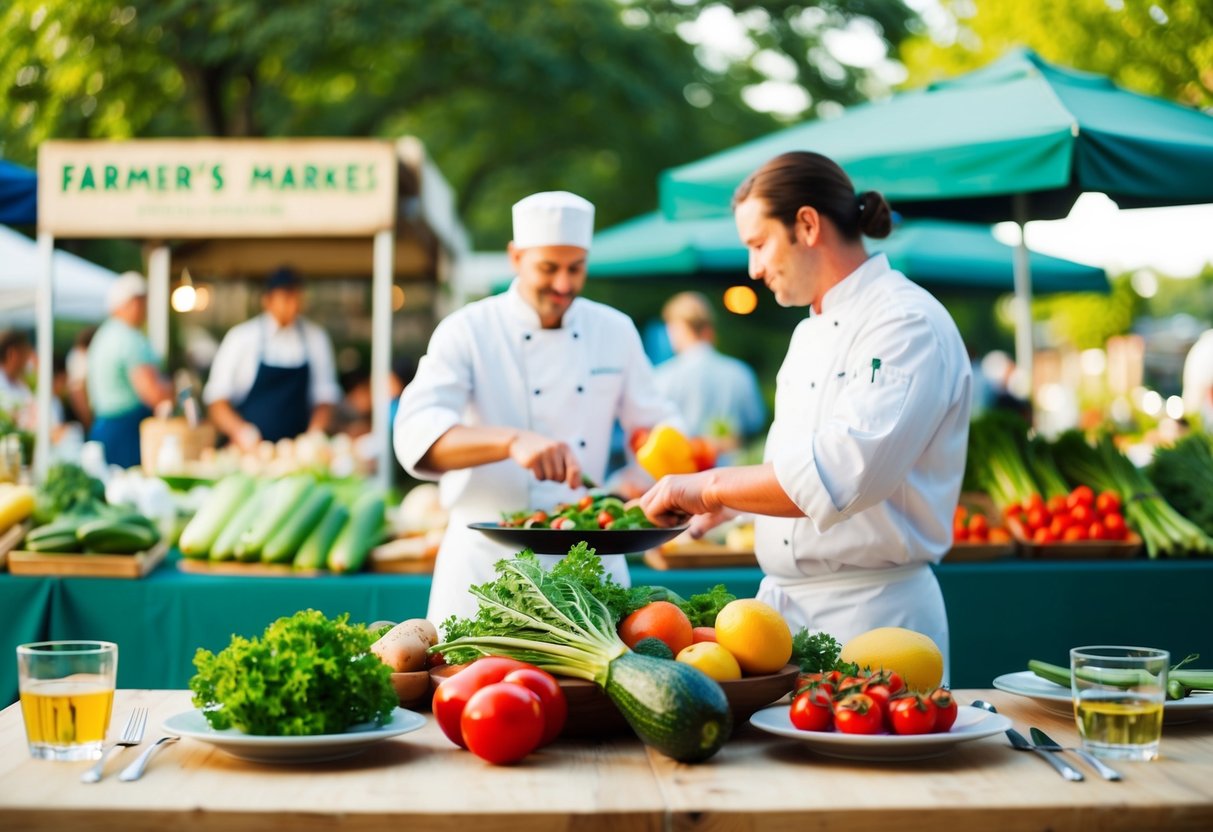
(553, 218)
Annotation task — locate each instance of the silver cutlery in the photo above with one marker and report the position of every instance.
(132, 734)
(1104, 770)
(1019, 743)
(135, 770)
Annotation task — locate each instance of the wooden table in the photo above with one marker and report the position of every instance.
(758, 782)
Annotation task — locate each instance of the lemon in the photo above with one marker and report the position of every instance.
(915, 656)
(709, 657)
(755, 634)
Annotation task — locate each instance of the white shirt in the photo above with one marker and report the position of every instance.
(261, 339)
(491, 363)
(873, 456)
(1198, 379)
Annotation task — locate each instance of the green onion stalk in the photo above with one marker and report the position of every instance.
(997, 466)
(1165, 531)
(1044, 469)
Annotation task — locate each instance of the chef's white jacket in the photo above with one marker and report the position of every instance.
(491, 363)
(869, 439)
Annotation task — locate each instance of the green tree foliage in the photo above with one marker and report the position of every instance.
(510, 96)
(1088, 319)
(1157, 47)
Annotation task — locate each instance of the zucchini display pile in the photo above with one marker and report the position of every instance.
(294, 520)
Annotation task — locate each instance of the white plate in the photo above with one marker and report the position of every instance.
(971, 724)
(265, 749)
(1058, 699)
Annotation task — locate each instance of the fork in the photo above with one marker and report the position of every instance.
(132, 734)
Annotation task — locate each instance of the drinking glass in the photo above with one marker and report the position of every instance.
(67, 694)
(1118, 699)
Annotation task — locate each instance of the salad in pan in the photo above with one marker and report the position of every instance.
(604, 511)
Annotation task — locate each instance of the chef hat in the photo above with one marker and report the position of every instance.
(128, 285)
(553, 218)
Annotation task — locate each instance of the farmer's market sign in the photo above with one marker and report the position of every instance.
(211, 188)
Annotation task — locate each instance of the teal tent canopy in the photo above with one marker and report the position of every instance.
(962, 148)
(935, 253)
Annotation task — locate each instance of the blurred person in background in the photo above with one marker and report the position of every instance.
(16, 397)
(274, 376)
(124, 380)
(76, 383)
(517, 395)
(864, 460)
(1198, 381)
(717, 395)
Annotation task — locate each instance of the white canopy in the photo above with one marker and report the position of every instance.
(80, 286)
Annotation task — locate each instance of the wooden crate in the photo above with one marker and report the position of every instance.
(236, 568)
(87, 566)
(698, 554)
(975, 552)
(10, 539)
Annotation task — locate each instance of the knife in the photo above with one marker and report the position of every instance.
(1063, 768)
(1105, 771)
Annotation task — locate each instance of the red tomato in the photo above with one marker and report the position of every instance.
(585, 502)
(661, 620)
(1115, 526)
(912, 715)
(959, 516)
(1097, 531)
(1075, 533)
(702, 453)
(453, 693)
(1038, 518)
(812, 710)
(1013, 510)
(880, 694)
(945, 710)
(551, 699)
(833, 677)
(1082, 514)
(638, 438)
(605, 520)
(858, 714)
(1056, 505)
(960, 535)
(1034, 501)
(1043, 536)
(699, 634)
(978, 523)
(502, 723)
(537, 517)
(1108, 502)
(894, 681)
(1081, 496)
(1059, 525)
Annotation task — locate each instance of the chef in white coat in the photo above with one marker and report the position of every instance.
(517, 394)
(864, 459)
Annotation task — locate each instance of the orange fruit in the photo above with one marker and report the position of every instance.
(713, 660)
(755, 634)
(661, 620)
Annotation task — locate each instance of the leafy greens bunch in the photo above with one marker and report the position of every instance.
(306, 675)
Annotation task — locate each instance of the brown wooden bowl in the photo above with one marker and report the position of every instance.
(412, 689)
(593, 714)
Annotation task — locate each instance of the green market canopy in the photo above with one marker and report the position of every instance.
(934, 253)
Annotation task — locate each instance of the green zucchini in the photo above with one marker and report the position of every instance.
(118, 538)
(314, 552)
(671, 706)
(200, 534)
(1054, 673)
(284, 544)
(281, 500)
(62, 542)
(225, 545)
(361, 534)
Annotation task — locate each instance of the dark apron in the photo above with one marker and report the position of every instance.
(120, 435)
(278, 403)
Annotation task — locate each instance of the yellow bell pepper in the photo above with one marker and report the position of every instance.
(16, 504)
(666, 451)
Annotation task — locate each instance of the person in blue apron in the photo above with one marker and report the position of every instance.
(124, 380)
(863, 463)
(273, 376)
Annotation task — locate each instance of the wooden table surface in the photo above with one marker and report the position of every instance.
(757, 782)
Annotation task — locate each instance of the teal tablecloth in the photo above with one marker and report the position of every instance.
(1001, 614)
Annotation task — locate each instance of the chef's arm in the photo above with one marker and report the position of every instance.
(752, 489)
(244, 434)
(464, 447)
(322, 416)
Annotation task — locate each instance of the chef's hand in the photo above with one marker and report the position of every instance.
(678, 498)
(546, 458)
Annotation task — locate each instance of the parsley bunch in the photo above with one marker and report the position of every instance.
(306, 675)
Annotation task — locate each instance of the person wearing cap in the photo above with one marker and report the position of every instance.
(717, 394)
(274, 376)
(517, 394)
(124, 380)
(864, 460)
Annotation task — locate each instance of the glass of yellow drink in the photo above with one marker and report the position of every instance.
(67, 694)
(1118, 699)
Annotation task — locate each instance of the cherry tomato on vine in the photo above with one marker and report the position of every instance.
(812, 710)
(858, 714)
(945, 710)
(912, 714)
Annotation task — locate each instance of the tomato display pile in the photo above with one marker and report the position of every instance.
(877, 703)
(590, 512)
(975, 527)
(1079, 515)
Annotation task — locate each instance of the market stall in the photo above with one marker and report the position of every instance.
(313, 202)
